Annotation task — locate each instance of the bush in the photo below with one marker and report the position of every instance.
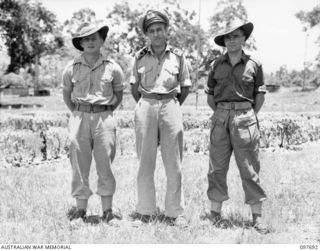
(28, 138)
(13, 80)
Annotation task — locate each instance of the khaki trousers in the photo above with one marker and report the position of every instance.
(159, 120)
(92, 133)
(234, 131)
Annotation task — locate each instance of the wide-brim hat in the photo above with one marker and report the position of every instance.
(87, 29)
(246, 27)
(151, 17)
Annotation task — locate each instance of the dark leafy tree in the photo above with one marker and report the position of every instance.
(29, 31)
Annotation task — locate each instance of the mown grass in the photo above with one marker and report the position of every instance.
(34, 202)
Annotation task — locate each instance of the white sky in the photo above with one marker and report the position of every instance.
(278, 33)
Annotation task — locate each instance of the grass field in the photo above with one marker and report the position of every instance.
(35, 198)
(35, 201)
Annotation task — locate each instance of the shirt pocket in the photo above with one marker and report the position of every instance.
(170, 76)
(146, 76)
(106, 84)
(80, 85)
(221, 79)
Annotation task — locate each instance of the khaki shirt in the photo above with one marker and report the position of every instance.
(240, 82)
(163, 76)
(94, 85)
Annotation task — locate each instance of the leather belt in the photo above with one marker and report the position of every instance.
(158, 96)
(92, 108)
(234, 105)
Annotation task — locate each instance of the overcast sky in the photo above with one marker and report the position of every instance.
(278, 33)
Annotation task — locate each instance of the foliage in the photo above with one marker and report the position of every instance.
(311, 20)
(84, 15)
(45, 135)
(29, 30)
(303, 78)
(125, 34)
(50, 70)
(13, 80)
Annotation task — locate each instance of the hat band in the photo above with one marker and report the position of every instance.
(152, 20)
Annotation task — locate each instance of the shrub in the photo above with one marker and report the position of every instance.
(13, 80)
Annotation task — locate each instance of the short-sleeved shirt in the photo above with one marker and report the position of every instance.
(93, 85)
(237, 83)
(163, 76)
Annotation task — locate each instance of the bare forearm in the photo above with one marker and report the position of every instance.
(258, 102)
(119, 96)
(211, 102)
(183, 95)
(135, 93)
(67, 100)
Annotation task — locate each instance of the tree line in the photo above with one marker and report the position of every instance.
(32, 35)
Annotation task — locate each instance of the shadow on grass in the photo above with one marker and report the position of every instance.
(227, 223)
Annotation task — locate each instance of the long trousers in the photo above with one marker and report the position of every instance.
(159, 122)
(234, 131)
(92, 134)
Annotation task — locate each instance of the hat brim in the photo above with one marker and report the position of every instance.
(103, 31)
(247, 29)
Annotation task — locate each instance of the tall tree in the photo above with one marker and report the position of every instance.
(311, 20)
(29, 30)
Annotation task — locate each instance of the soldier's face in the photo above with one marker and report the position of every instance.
(92, 43)
(234, 41)
(157, 33)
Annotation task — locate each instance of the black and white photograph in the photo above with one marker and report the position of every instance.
(159, 122)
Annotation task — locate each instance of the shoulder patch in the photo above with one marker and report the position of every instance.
(140, 54)
(176, 51)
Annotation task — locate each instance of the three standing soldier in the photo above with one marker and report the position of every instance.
(92, 89)
(160, 83)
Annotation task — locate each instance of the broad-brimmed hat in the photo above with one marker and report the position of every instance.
(87, 29)
(151, 17)
(232, 26)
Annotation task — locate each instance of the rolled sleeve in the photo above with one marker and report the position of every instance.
(260, 86)
(184, 74)
(118, 76)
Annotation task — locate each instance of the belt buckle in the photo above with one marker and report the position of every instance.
(232, 106)
(91, 108)
(159, 97)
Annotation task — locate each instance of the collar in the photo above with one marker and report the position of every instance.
(225, 57)
(80, 60)
(168, 47)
